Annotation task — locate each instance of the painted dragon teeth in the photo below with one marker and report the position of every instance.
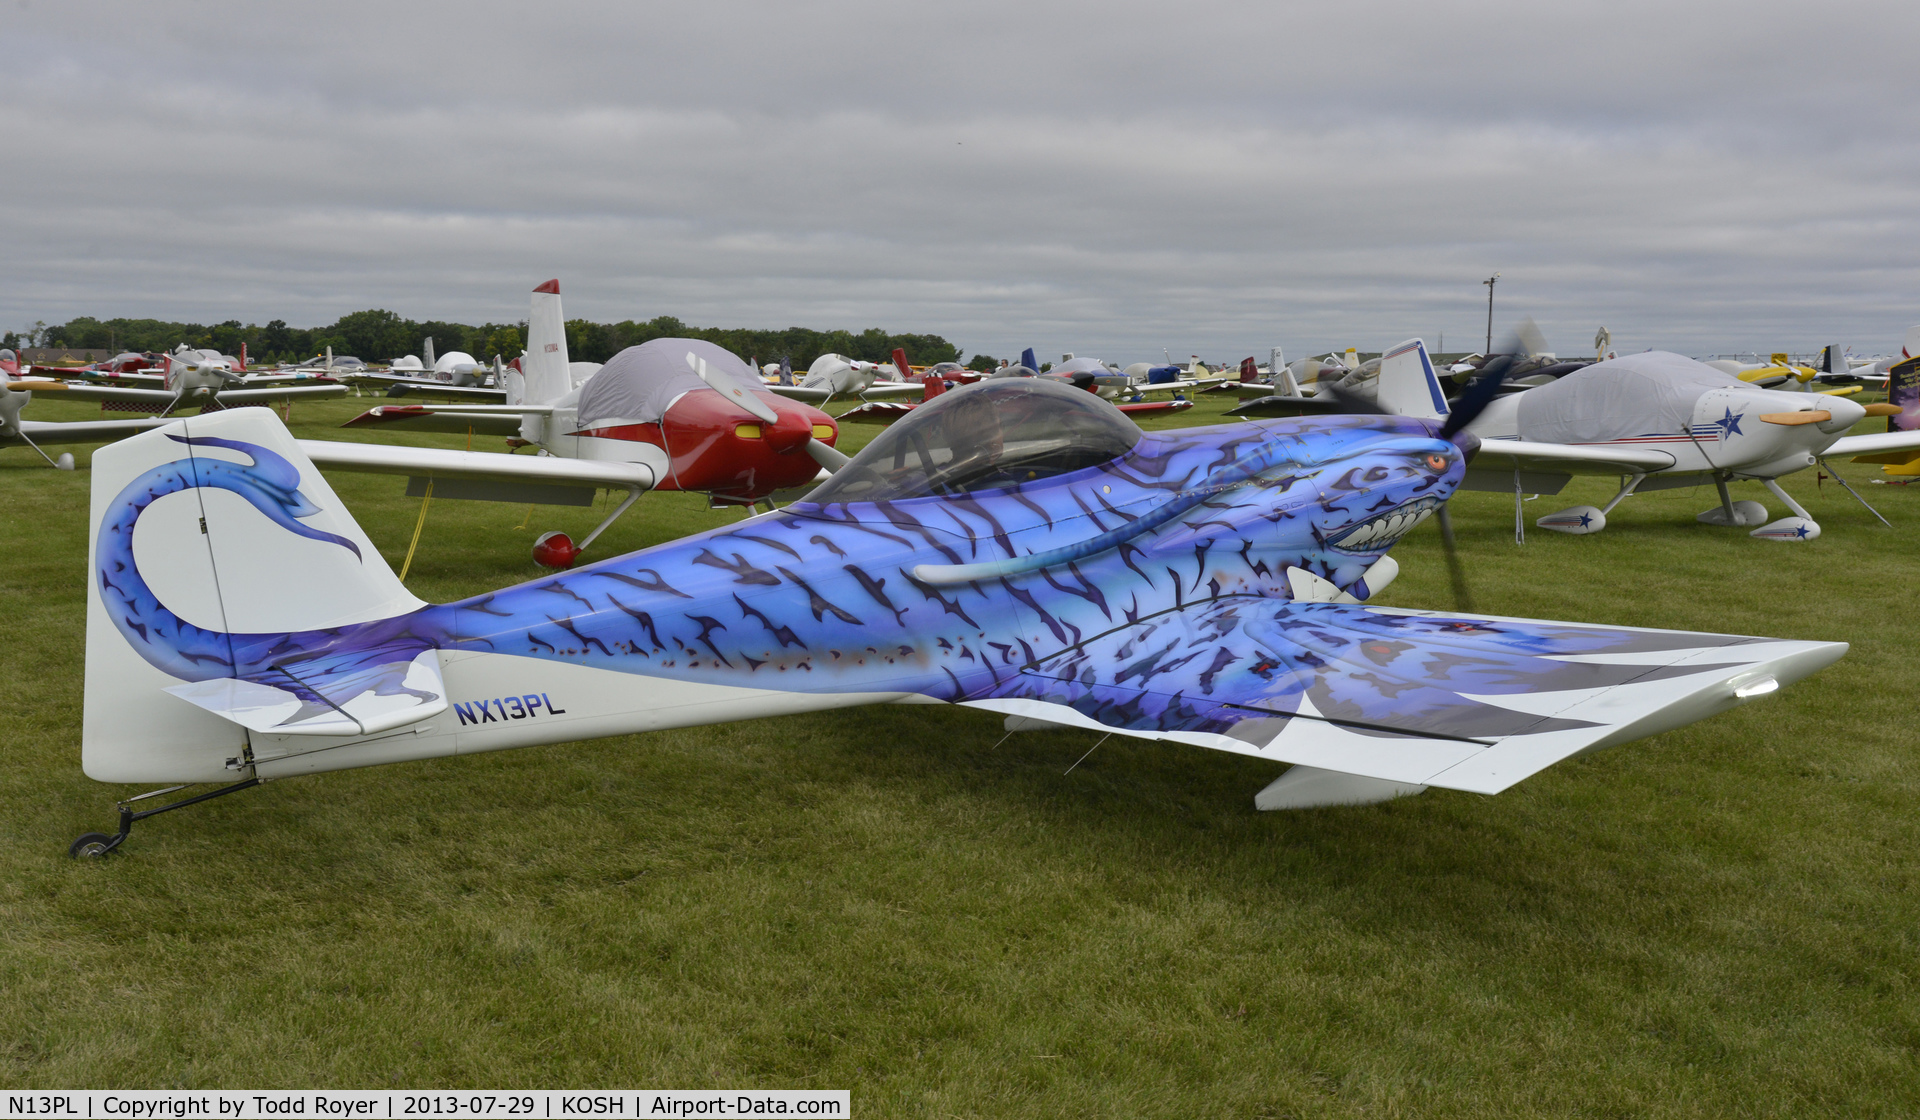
(1382, 531)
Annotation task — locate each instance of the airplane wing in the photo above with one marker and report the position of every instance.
(877, 390)
(1426, 698)
(82, 431)
(882, 389)
(1154, 406)
(472, 393)
(799, 393)
(1274, 404)
(92, 391)
(1875, 444)
(1562, 458)
(488, 466)
(419, 418)
(875, 412)
(232, 398)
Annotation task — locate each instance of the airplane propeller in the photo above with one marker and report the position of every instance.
(1521, 343)
(820, 453)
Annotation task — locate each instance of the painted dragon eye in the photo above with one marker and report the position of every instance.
(1436, 462)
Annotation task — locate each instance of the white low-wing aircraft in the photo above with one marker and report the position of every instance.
(454, 375)
(1655, 420)
(189, 377)
(15, 432)
(1659, 420)
(836, 375)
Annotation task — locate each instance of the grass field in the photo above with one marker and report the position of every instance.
(1721, 921)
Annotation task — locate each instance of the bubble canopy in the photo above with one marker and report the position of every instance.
(987, 436)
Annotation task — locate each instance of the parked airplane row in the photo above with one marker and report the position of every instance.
(1013, 543)
(685, 415)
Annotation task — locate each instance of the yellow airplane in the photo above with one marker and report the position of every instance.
(1779, 372)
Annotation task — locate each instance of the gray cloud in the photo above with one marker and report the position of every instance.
(1105, 178)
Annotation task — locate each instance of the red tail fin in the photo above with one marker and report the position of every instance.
(933, 384)
(1249, 371)
(900, 363)
(243, 357)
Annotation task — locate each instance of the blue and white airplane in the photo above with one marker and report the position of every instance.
(1015, 546)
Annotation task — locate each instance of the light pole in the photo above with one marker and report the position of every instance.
(1489, 283)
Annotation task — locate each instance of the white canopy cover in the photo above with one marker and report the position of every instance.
(638, 384)
(1636, 395)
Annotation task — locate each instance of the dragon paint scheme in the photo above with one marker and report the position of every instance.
(1161, 585)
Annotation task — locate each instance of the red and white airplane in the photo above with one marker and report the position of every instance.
(671, 414)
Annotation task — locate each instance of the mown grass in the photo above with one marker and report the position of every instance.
(1719, 921)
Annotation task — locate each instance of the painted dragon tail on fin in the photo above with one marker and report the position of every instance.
(224, 572)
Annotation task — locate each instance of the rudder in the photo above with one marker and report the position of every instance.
(202, 532)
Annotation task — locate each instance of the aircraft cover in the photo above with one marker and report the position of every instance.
(1640, 394)
(641, 381)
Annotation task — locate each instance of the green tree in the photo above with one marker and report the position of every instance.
(376, 335)
(504, 341)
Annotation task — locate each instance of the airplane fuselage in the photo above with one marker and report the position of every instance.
(1729, 432)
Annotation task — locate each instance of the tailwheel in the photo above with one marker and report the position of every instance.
(91, 845)
(555, 550)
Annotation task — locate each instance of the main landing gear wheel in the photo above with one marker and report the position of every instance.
(91, 845)
(555, 550)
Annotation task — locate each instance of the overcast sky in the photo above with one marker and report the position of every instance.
(1104, 178)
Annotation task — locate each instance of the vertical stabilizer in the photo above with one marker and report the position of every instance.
(230, 513)
(1911, 348)
(1833, 359)
(546, 367)
(1027, 359)
(426, 353)
(1408, 385)
(1249, 372)
(900, 363)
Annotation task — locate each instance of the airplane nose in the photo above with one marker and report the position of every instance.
(787, 433)
(1846, 414)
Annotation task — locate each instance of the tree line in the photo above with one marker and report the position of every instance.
(381, 336)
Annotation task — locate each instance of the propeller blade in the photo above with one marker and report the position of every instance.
(1884, 410)
(737, 394)
(1456, 573)
(1521, 343)
(826, 456)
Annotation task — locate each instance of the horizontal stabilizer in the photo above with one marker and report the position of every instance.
(412, 692)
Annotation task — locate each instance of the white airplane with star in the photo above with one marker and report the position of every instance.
(1660, 421)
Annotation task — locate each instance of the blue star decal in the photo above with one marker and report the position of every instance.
(1800, 531)
(1729, 424)
(1586, 519)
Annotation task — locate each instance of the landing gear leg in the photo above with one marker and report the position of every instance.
(1519, 518)
(1774, 485)
(1628, 489)
(95, 845)
(1726, 499)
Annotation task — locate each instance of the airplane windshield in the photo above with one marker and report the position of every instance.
(986, 436)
